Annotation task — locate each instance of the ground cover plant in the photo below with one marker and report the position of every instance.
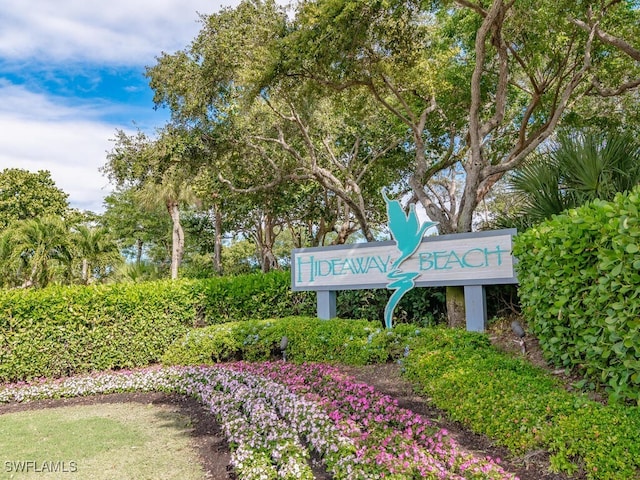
(461, 373)
(524, 407)
(272, 422)
(119, 440)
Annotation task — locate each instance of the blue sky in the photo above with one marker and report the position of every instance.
(72, 72)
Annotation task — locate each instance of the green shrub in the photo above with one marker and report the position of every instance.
(63, 330)
(255, 295)
(354, 342)
(522, 407)
(579, 277)
(419, 306)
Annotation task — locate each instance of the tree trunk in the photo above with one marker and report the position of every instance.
(456, 317)
(139, 244)
(177, 246)
(85, 271)
(217, 245)
(268, 259)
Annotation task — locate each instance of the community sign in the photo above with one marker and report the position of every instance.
(469, 259)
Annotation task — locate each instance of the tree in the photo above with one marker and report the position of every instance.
(140, 232)
(579, 167)
(40, 250)
(160, 172)
(284, 131)
(172, 191)
(26, 195)
(524, 73)
(96, 250)
(479, 85)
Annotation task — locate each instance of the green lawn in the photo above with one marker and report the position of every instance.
(104, 441)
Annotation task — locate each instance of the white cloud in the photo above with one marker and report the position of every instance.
(39, 134)
(117, 32)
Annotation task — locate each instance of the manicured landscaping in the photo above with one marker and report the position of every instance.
(579, 279)
(274, 413)
(524, 407)
(519, 406)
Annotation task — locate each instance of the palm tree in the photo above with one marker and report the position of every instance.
(173, 191)
(94, 247)
(39, 247)
(9, 265)
(581, 167)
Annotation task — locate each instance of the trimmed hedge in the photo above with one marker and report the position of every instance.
(352, 342)
(579, 279)
(65, 330)
(523, 407)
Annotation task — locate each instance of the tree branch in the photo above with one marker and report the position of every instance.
(503, 78)
(607, 92)
(473, 6)
(517, 155)
(475, 134)
(607, 38)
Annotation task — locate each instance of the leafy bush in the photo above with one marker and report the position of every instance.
(354, 342)
(255, 295)
(63, 330)
(421, 306)
(523, 407)
(579, 279)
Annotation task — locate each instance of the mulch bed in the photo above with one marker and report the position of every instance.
(213, 449)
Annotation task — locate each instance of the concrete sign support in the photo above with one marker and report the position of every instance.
(326, 304)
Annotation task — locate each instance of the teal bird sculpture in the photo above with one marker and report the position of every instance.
(405, 228)
(407, 232)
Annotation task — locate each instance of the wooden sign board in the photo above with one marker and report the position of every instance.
(482, 258)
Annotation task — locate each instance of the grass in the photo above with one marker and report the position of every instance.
(127, 441)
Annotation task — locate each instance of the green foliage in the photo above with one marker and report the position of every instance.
(420, 306)
(522, 407)
(351, 342)
(139, 231)
(63, 330)
(579, 279)
(580, 167)
(25, 195)
(39, 251)
(252, 296)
